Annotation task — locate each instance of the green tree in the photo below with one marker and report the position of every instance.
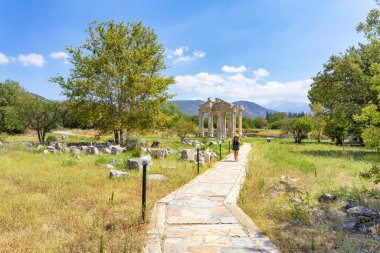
(11, 98)
(183, 128)
(41, 115)
(298, 127)
(116, 80)
(318, 118)
(276, 116)
(248, 122)
(260, 122)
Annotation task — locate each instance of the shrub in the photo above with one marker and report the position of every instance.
(136, 152)
(131, 142)
(51, 138)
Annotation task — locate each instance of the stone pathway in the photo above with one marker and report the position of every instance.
(202, 216)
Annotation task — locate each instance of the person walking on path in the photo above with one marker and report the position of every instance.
(236, 146)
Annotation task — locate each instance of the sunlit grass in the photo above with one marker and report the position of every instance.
(320, 168)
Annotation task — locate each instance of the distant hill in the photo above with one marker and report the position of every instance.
(37, 96)
(252, 109)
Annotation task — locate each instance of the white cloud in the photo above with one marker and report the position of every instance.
(180, 50)
(180, 54)
(260, 73)
(32, 60)
(231, 69)
(199, 54)
(4, 59)
(237, 86)
(60, 55)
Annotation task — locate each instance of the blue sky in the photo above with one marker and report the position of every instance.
(264, 51)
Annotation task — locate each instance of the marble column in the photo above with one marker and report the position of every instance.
(200, 126)
(240, 123)
(219, 123)
(233, 123)
(210, 125)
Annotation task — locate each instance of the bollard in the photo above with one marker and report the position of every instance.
(220, 151)
(145, 163)
(198, 159)
(229, 147)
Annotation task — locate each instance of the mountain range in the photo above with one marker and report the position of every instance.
(253, 110)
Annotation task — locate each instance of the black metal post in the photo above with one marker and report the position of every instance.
(229, 147)
(220, 151)
(144, 191)
(198, 159)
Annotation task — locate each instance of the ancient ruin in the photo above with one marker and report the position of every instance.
(225, 115)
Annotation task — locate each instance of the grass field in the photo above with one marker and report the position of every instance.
(58, 203)
(319, 168)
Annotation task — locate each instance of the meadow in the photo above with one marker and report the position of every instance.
(62, 203)
(292, 218)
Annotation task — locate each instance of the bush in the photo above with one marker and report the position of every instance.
(51, 138)
(131, 143)
(136, 152)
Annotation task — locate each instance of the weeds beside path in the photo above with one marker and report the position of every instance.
(286, 217)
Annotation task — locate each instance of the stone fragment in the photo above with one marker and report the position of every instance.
(92, 150)
(115, 162)
(155, 144)
(117, 173)
(75, 151)
(327, 197)
(133, 163)
(347, 204)
(350, 225)
(116, 150)
(107, 151)
(156, 177)
(363, 211)
(158, 153)
(109, 166)
(59, 146)
(188, 155)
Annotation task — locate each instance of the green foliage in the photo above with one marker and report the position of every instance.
(131, 142)
(183, 128)
(277, 124)
(298, 127)
(272, 117)
(136, 152)
(11, 96)
(69, 162)
(248, 123)
(372, 174)
(318, 118)
(116, 82)
(41, 115)
(51, 138)
(260, 122)
(100, 160)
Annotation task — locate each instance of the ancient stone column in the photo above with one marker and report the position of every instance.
(240, 123)
(210, 125)
(219, 123)
(200, 126)
(233, 123)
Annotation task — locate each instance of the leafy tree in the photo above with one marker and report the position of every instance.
(260, 122)
(41, 115)
(183, 128)
(11, 96)
(277, 124)
(172, 112)
(115, 81)
(318, 118)
(276, 116)
(298, 127)
(248, 122)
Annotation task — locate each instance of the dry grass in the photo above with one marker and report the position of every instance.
(319, 168)
(57, 203)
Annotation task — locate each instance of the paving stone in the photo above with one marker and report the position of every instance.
(195, 218)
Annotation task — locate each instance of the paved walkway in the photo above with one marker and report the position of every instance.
(202, 216)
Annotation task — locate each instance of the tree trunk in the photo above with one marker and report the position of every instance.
(116, 136)
(39, 136)
(121, 136)
(43, 136)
